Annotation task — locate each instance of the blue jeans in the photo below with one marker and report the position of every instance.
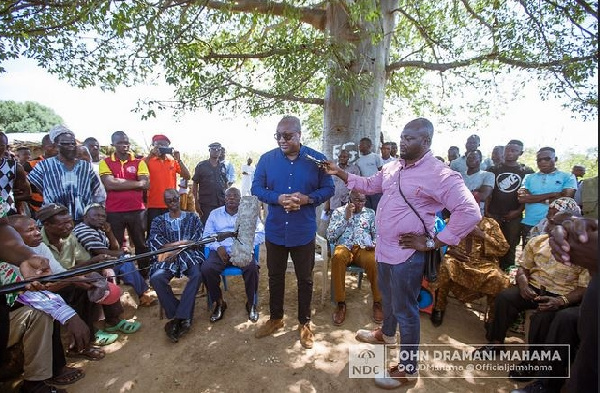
(400, 286)
(129, 274)
(176, 308)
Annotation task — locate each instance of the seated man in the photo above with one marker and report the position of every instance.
(66, 249)
(352, 230)
(79, 295)
(170, 229)
(222, 219)
(543, 284)
(96, 236)
(471, 269)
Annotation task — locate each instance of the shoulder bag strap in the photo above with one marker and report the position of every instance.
(411, 206)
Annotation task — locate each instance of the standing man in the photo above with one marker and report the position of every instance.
(369, 163)
(503, 205)
(293, 186)
(394, 149)
(210, 182)
(125, 178)
(223, 219)
(65, 179)
(460, 164)
(49, 150)
(497, 156)
(164, 163)
(341, 193)
(579, 172)
(543, 187)
(228, 167)
(23, 154)
(352, 230)
(453, 153)
(14, 186)
(429, 186)
(386, 153)
(247, 176)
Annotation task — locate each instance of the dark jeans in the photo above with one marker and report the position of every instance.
(211, 270)
(304, 262)
(525, 229)
(400, 285)
(373, 201)
(58, 352)
(511, 230)
(177, 308)
(135, 223)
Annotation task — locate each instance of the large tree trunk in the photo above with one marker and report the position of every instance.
(346, 123)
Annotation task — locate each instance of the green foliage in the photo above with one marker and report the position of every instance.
(266, 57)
(26, 117)
(565, 163)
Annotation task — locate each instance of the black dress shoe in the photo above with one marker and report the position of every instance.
(523, 373)
(252, 312)
(437, 317)
(218, 312)
(184, 326)
(172, 330)
(537, 386)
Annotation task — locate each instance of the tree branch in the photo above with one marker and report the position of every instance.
(312, 16)
(283, 97)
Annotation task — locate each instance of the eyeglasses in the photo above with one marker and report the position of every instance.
(171, 200)
(544, 159)
(286, 137)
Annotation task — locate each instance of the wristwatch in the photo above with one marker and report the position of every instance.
(430, 243)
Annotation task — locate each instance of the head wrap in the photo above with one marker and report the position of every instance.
(565, 204)
(50, 210)
(59, 130)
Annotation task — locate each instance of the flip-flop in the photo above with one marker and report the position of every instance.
(124, 326)
(102, 338)
(90, 353)
(71, 375)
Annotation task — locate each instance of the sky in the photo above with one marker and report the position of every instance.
(91, 112)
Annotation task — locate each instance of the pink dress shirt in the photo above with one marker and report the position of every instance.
(430, 186)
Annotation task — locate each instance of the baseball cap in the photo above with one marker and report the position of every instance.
(50, 210)
(160, 137)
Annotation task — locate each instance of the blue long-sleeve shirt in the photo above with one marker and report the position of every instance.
(276, 174)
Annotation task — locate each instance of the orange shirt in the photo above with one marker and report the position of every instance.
(163, 175)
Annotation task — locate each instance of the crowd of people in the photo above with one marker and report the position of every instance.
(72, 207)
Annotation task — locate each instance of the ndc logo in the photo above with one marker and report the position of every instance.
(366, 361)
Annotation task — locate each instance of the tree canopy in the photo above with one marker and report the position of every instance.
(26, 117)
(338, 59)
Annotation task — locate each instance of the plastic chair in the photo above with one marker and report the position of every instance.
(231, 271)
(352, 269)
(321, 262)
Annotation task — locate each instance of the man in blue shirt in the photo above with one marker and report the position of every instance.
(292, 185)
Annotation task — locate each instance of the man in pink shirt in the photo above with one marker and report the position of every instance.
(429, 186)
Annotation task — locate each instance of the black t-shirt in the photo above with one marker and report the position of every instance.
(508, 180)
(212, 182)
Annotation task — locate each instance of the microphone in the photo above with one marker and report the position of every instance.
(245, 227)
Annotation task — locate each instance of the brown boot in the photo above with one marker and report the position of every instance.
(377, 312)
(268, 328)
(307, 338)
(339, 316)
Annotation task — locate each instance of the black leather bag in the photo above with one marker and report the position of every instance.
(433, 259)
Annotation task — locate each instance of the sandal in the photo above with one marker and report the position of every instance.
(70, 375)
(90, 353)
(124, 326)
(102, 338)
(39, 387)
(147, 300)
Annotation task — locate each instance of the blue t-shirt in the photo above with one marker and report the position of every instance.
(544, 183)
(276, 174)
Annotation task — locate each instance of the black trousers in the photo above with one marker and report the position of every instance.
(304, 262)
(135, 223)
(58, 352)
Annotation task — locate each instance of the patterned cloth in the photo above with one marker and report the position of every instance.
(165, 230)
(557, 277)
(75, 188)
(358, 230)
(480, 276)
(8, 174)
(90, 238)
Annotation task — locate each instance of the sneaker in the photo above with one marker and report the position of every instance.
(396, 378)
(374, 337)
(307, 338)
(268, 328)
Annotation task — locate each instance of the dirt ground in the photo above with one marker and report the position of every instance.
(226, 357)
